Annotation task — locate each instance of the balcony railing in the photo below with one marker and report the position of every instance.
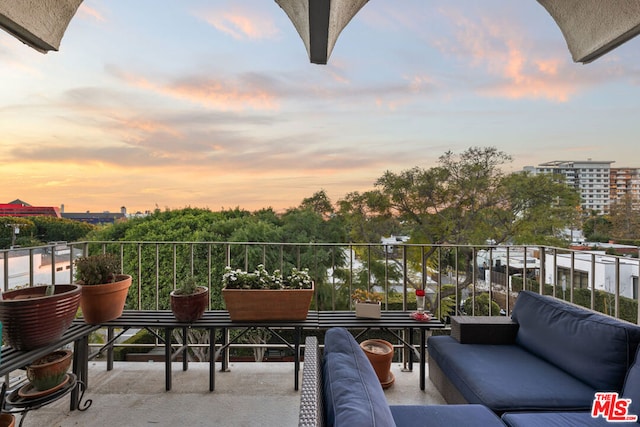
(450, 274)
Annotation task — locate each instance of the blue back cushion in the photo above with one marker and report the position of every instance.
(352, 392)
(594, 348)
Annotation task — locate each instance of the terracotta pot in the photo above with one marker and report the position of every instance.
(380, 354)
(30, 319)
(101, 303)
(267, 304)
(7, 420)
(49, 371)
(189, 308)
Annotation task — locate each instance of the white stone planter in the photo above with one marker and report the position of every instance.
(369, 310)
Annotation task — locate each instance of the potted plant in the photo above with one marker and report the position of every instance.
(261, 296)
(368, 304)
(380, 354)
(36, 316)
(49, 371)
(104, 289)
(189, 301)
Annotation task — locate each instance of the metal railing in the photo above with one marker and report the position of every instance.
(451, 274)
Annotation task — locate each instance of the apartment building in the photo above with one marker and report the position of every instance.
(625, 181)
(591, 178)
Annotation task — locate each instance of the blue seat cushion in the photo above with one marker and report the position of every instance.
(353, 395)
(595, 348)
(631, 388)
(507, 377)
(559, 419)
(444, 416)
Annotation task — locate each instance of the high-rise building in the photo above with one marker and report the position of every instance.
(625, 181)
(591, 178)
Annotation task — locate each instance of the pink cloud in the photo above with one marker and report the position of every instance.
(242, 24)
(213, 93)
(87, 11)
(500, 48)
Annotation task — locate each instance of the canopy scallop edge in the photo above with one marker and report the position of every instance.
(591, 28)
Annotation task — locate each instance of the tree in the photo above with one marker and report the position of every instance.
(597, 228)
(50, 229)
(465, 200)
(625, 219)
(8, 237)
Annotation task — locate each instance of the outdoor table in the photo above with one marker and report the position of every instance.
(390, 321)
(212, 320)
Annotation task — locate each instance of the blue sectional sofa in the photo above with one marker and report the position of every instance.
(560, 356)
(572, 352)
(340, 388)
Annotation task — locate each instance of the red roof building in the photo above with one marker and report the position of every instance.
(20, 208)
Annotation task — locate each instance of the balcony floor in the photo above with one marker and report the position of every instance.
(249, 394)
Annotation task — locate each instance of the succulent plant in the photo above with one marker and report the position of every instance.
(97, 269)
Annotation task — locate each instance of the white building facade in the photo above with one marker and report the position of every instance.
(592, 179)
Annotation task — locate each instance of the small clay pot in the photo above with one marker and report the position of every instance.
(189, 308)
(50, 370)
(7, 420)
(380, 354)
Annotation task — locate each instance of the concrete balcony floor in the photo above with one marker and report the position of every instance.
(250, 394)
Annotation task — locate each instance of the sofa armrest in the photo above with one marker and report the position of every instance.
(311, 397)
(483, 329)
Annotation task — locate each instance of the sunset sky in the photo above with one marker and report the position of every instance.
(214, 103)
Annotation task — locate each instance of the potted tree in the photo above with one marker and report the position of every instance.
(104, 289)
(189, 301)
(261, 296)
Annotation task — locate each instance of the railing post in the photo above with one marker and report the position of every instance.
(543, 261)
(5, 272)
(617, 291)
(593, 281)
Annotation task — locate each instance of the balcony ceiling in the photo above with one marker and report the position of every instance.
(591, 28)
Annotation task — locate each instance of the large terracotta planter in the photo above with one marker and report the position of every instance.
(189, 308)
(30, 319)
(101, 303)
(267, 304)
(50, 370)
(380, 354)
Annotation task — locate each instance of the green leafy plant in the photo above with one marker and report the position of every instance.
(262, 279)
(97, 269)
(188, 286)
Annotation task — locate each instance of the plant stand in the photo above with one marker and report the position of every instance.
(15, 404)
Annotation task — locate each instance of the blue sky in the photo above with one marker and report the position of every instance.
(215, 104)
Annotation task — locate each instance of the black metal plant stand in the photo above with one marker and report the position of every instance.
(16, 404)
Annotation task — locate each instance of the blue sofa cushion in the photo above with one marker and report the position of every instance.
(631, 388)
(507, 377)
(595, 348)
(559, 419)
(353, 395)
(445, 416)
